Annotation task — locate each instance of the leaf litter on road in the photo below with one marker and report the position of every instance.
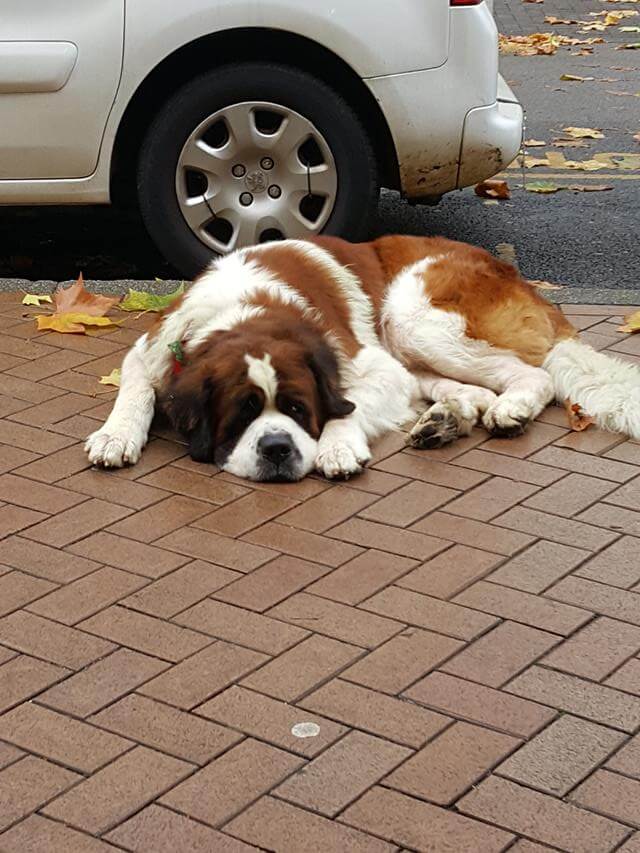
(583, 132)
(75, 309)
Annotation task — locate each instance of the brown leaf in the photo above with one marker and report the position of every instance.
(583, 132)
(493, 189)
(569, 143)
(532, 162)
(551, 19)
(72, 322)
(589, 188)
(578, 420)
(77, 300)
(534, 143)
(544, 285)
(631, 323)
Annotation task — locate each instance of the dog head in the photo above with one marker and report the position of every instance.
(254, 399)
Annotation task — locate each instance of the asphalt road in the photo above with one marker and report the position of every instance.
(586, 241)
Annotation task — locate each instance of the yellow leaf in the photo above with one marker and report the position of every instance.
(589, 188)
(532, 162)
(576, 79)
(493, 189)
(36, 298)
(534, 143)
(631, 323)
(542, 187)
(545, 285)
(71, 322)
(585, 165)
(630, 29)
(551, 19)
(633, 46)
(76, 299)
(569, 143)
(113, 378)
(583, 133)
(578, 420)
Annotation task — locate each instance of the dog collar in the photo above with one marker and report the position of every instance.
(177, 349)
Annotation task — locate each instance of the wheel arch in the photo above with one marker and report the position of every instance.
(243, 45)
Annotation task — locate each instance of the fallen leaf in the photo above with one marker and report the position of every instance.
(629, 29)
(490, 202)
(551, 19)
(138, 300)
(71, 321)
(576, 79)
(631, 323)
(534, 143)
(585, 165)
(542, 187)
(583, 133)
(569, 143)
(584, 51)
(589, 188)
(536, 44)
(578, 420)
(636, 136)
(542, 1)
(493, 189)
(634, 46)
(36, 298)
(545, 285)
(112, 378)
(532, 162)
(76, 299)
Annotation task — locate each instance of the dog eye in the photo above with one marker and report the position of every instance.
(295, 410)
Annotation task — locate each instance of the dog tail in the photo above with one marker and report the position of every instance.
(606, 388)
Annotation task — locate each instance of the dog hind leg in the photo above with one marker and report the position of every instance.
(456, 409)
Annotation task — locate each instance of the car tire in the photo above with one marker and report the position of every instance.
(356, 191)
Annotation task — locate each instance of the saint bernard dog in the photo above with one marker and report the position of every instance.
(295, 355)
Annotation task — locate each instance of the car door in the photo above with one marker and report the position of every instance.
(60, 65)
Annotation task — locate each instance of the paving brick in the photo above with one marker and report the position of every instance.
(430, 471)
(75, 523)
(146, 560)
(409, 503)
(627, 496)
(38, 834)
(45, 414)
(25, 676)
(87, 595)
(38, 496)
(170, 730)
(180, 589)
(394, 719)
(377, 482)
(9, 754)
(402, 660)
(160, 519)
(523, 607)
(163, 831)
(577, 696)
(617, 565)
(327, 509)
(299, 543)
(31, 438)
(422, 826)
(563, 530)
(599, 597)
(227, 785)
(561, 755)
(371, 534)
(539, 566)
(203, 674)
(537, 435)
(585, 463)
(615, 518)
(302, 668)
(26, 785)
(56, 466)
(451, 571)
(267, 585)
(24, 389)
(626, 678)
(284, 827)
(13, 457)
(542, 817)
(241, 626)
(18, 589)
(361, 577)
(597, 649)
(156, 454)
(590, 441)
(520, 470)
(491, 498)
(628, 451)
(97, 484)
(16, 518)
(336, 620)
(632, 845)
(342, 773)
(60, 738)
(570, 495)
(479, 704)
(611, 795)
(500, 654)
(56, 643)
(476, 534)
(300, 491)
(271, 720)
(117, 791)
(429, 613)
(194, 485)
(627, 759)
(101, 683)
(243, 515)
(144, 633)
(231, 553)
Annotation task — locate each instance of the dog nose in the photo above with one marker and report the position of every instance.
(276, 447)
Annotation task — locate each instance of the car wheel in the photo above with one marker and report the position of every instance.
(253, 152)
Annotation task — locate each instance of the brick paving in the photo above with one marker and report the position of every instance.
(457, 631)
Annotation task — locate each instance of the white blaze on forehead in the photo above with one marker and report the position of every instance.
(261, 372)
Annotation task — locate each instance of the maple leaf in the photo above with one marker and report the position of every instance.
(543, 187)
(76, 299)
(138, 300)
(71, 322)
(631, 323)
(578, 420)
(583, 132)
(36, 298)
(112, 378)
(493, 189)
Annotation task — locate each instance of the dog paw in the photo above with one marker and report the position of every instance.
(341, 461)
(507, 418)
(112, 450)
(437, 426)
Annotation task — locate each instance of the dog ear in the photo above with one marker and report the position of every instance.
(324, 366)
(189, 404)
